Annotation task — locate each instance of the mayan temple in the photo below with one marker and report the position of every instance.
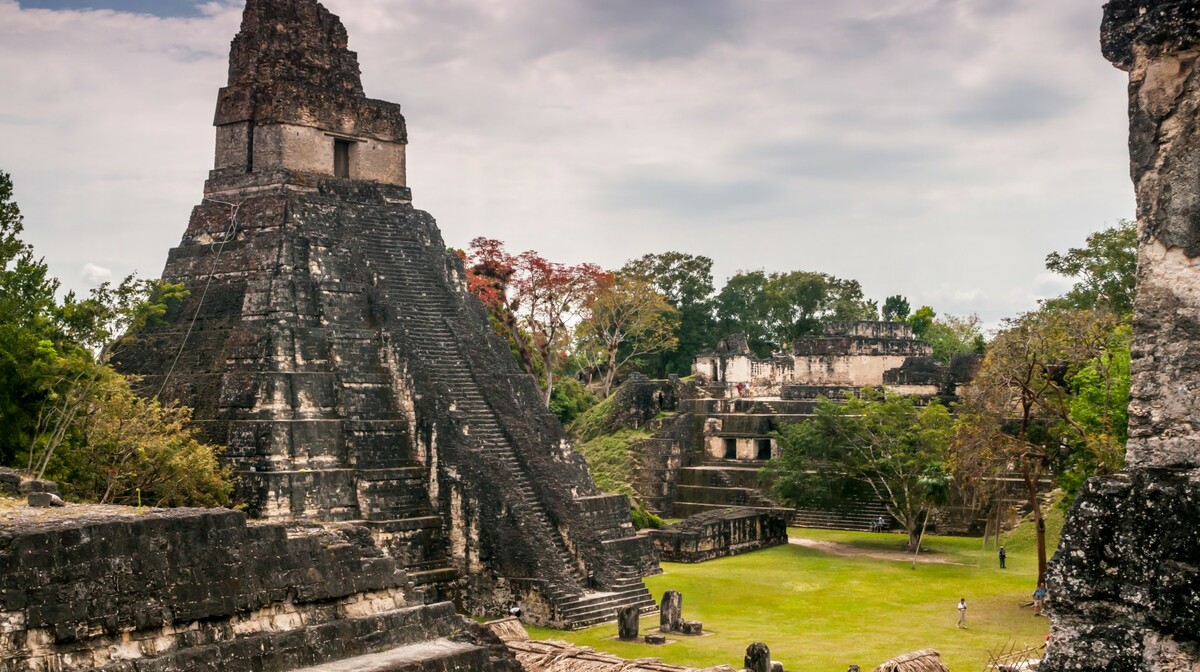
(330, 343)
(1125, 583)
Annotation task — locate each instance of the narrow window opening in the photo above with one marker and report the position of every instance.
(731, 449)
(764, 449)
(341, 158)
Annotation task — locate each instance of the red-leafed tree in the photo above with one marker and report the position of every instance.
(535, 302)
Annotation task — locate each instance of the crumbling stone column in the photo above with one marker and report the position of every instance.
(1124, 588)
(758, 658)
(670, 614)
(627, 623)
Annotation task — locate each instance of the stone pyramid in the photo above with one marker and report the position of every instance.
(330, 343)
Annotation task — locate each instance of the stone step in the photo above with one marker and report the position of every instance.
(429, 576)
(437, 655)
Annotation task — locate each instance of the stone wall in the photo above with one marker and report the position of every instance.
(1125, 583)
(107, 588)
(847, 354)
(717, 534)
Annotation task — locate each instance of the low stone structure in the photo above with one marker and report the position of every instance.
(1124, 586)
(721, 533)
(109, 589)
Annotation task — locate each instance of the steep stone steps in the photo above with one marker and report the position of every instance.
(423, 308)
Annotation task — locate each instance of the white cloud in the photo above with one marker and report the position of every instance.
(94, 275)
(934, 146)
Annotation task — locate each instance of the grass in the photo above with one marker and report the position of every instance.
(821, 611)
(610, 460)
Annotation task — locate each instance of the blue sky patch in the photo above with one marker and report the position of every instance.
(155, 7)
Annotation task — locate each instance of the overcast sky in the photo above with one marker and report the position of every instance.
(933, 148)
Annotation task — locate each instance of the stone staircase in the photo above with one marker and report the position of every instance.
(846, 516)
(409, 282)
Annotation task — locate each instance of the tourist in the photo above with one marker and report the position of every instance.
(1003, 556)
(1039, 599)
(515, 611)
(962, 613)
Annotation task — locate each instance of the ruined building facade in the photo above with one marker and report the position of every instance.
(330, 343)
(845, 356)
(1125, 583)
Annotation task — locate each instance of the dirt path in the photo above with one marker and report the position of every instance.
(835, 548)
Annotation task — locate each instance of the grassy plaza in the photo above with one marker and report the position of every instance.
(841, 598)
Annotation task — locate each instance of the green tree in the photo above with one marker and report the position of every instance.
(687, 283)
(63, 411)
(29, 330)
(895, 309)
(921, 320)
(744, 305)
(1105, 270)
(950, 336)
(887, 443)
(773, 310)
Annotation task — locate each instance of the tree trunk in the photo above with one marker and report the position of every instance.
(1031, 477)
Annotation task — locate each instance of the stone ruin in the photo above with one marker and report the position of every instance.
(1125, 583)
(846, 357)
(721, 533)
(707, 454)
(108, 589)
(330, 343)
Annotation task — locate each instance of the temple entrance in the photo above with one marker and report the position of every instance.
(731, 449)
(764, 449)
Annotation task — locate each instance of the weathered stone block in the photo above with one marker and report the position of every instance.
(627, 622)
(45, 500)
(691, 628)
(670, 611)
(655, 639)
(758, 658)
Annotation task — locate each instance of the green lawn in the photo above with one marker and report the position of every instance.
(819, 611)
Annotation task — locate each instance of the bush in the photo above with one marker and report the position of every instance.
(137, 451)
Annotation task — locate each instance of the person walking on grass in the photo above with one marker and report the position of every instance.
(1003, 557)
(962, 613)
(1039, 599)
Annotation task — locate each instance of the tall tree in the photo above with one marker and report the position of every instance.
(535, 301)
(888, 443)
(626, 319)
(895, 309)
(1104, 269)
(773, 310)
(29, 329)
(1018, 408)
(687, 283)
(921, 320)
(62, 405)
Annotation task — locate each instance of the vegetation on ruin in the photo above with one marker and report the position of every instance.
(64, 412)
(609, 451)
(862, 604)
